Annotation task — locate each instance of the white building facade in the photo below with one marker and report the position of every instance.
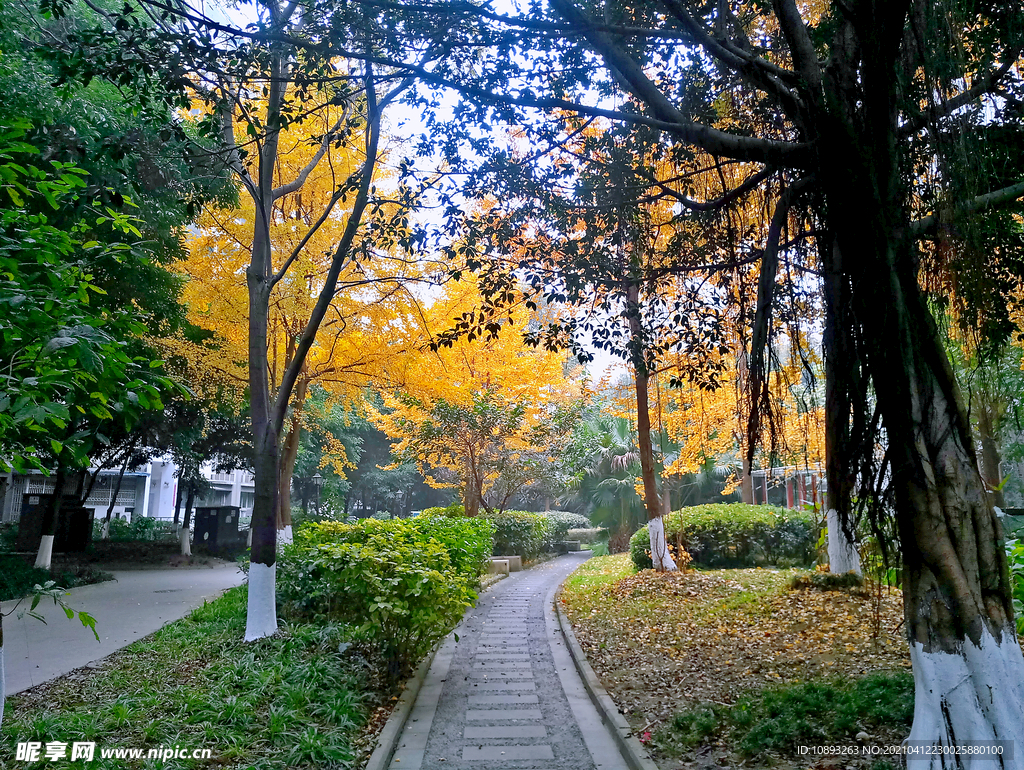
(150, 490)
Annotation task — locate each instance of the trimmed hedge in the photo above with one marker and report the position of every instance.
(734, 535)
(560, 522)
(517, 533)
(455, 509)
(405, 583)
(589, 535)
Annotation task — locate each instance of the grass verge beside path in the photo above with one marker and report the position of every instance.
(18, 576)
(728, 667)
(298, 700)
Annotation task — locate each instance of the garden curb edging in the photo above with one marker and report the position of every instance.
(632, 750)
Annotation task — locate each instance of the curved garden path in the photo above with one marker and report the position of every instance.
(503, 692)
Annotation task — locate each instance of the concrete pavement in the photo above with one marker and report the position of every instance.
(505, 693)
(135, 604)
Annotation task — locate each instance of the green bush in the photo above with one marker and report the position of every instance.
(560, 522)
(825, 581)
(518, 533)
(395, 580)
(455, 509)
(590, 535)
(140, 528)
(733, 535)
(467, 541)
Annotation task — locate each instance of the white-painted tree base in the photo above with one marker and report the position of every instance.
(976, 695)
(660, 555)
(284, 536)
(185, 540)
(45, 553)
(3, 684)
(842, 552)
(261, 615)
(105, 532)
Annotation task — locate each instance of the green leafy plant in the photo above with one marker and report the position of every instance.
(518, 533)
(560, 522)
(403, 583)
(455, 509)
(825, 581)
(590, 535)
(734, 535)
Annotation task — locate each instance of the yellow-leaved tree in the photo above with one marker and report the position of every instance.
(481, 414)
(359, 341)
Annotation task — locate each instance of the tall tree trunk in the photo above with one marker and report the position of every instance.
(114, 494)
(44, 555)
(968, 666)
(177, 503)
(843, 555)
(988, 435)
(470, 494)
(742, 386)
(660, 555)
(289, 453)
(184, 534)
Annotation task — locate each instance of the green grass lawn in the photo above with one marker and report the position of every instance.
(297, 700)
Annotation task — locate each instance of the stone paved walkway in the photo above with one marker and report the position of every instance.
(505, 694)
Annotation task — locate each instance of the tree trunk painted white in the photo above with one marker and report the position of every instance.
(976, 695)
(663, 561)
(185, 540)
(842, 552)
(3, 677)
(284, 536)
(45, 552)
(261, 615)
(105, 530)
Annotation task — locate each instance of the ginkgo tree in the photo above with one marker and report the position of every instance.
(482, 415)
(359, 342)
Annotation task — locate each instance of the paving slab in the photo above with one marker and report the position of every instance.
(136, 603)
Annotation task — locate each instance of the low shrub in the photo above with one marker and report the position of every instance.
(782, 718)
(467, 541)
(140, 528)
(518, 533)
(393, 579)
(588, 536)
(560, 522)
(733, 535)
(825, 581)
(455, 509)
